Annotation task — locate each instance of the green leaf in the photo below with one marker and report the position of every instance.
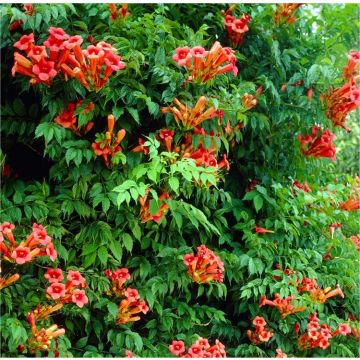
(128, 241)
(102, 255)
(134, 113)
(112, 309)
(116, 250)
(258, 202)
(154, 206)
(174, 183)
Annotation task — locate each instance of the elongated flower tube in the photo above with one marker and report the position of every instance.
(261, 334)
(117, 278)
(130, 307)
(284, 14)
(200, 349)
(38, 243)
(340, 102)
(205, 65)
(4, 282)
(283, 305)
(108, 145)
(41, 338)
(70, 292)
(205, 266)
(318, 295)
(318, 144)
(351, 69)
(189, 118)
(352, 203)
(236, 28)
(318, 335)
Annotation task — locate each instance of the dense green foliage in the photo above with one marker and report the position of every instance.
(92, 211)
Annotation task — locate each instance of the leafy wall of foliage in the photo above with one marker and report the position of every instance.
(61, 184)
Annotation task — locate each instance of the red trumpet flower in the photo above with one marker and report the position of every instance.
(352, 203)
(318, 335)
(205, 65)
(130, 306)
(260, 334)
(283, 305)
(200, 349)
(117, 278)
(260, 230)
(205, 266)
(351, 69)
(319, 144)
(187, 117)
(236, 28)
(284, 14)
(107, 145)
(341, 101)
(36, 244)
(71, 291)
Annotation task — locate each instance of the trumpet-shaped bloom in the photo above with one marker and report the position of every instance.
(205, 266)
(56, 290)
(318, 144)
(54, 275)
(21, 255)
(79, 298)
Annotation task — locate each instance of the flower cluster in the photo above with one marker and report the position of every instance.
(316, 294)
(145, 213)
(203, 157)
(131, 304)
(283, 305)
(206, 158)
(352, 203)
(36, 64)
(68, 119)
(200, 349)
(205, 65)
(305, 186)
(351, 69)
(4, 282)
(71, 291)
(62, 53)
(236, 28)
(341, 101)
(280, 354)
(42, 312)
(205, 266)
(41, 338)
(318, 144)
(107, 145)
(356, 240)
(261, 334)
(117, 278)
(284, 14)
(38, 243)
(188, 118)
(318, 335)
(248, 101)
(121, 13)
